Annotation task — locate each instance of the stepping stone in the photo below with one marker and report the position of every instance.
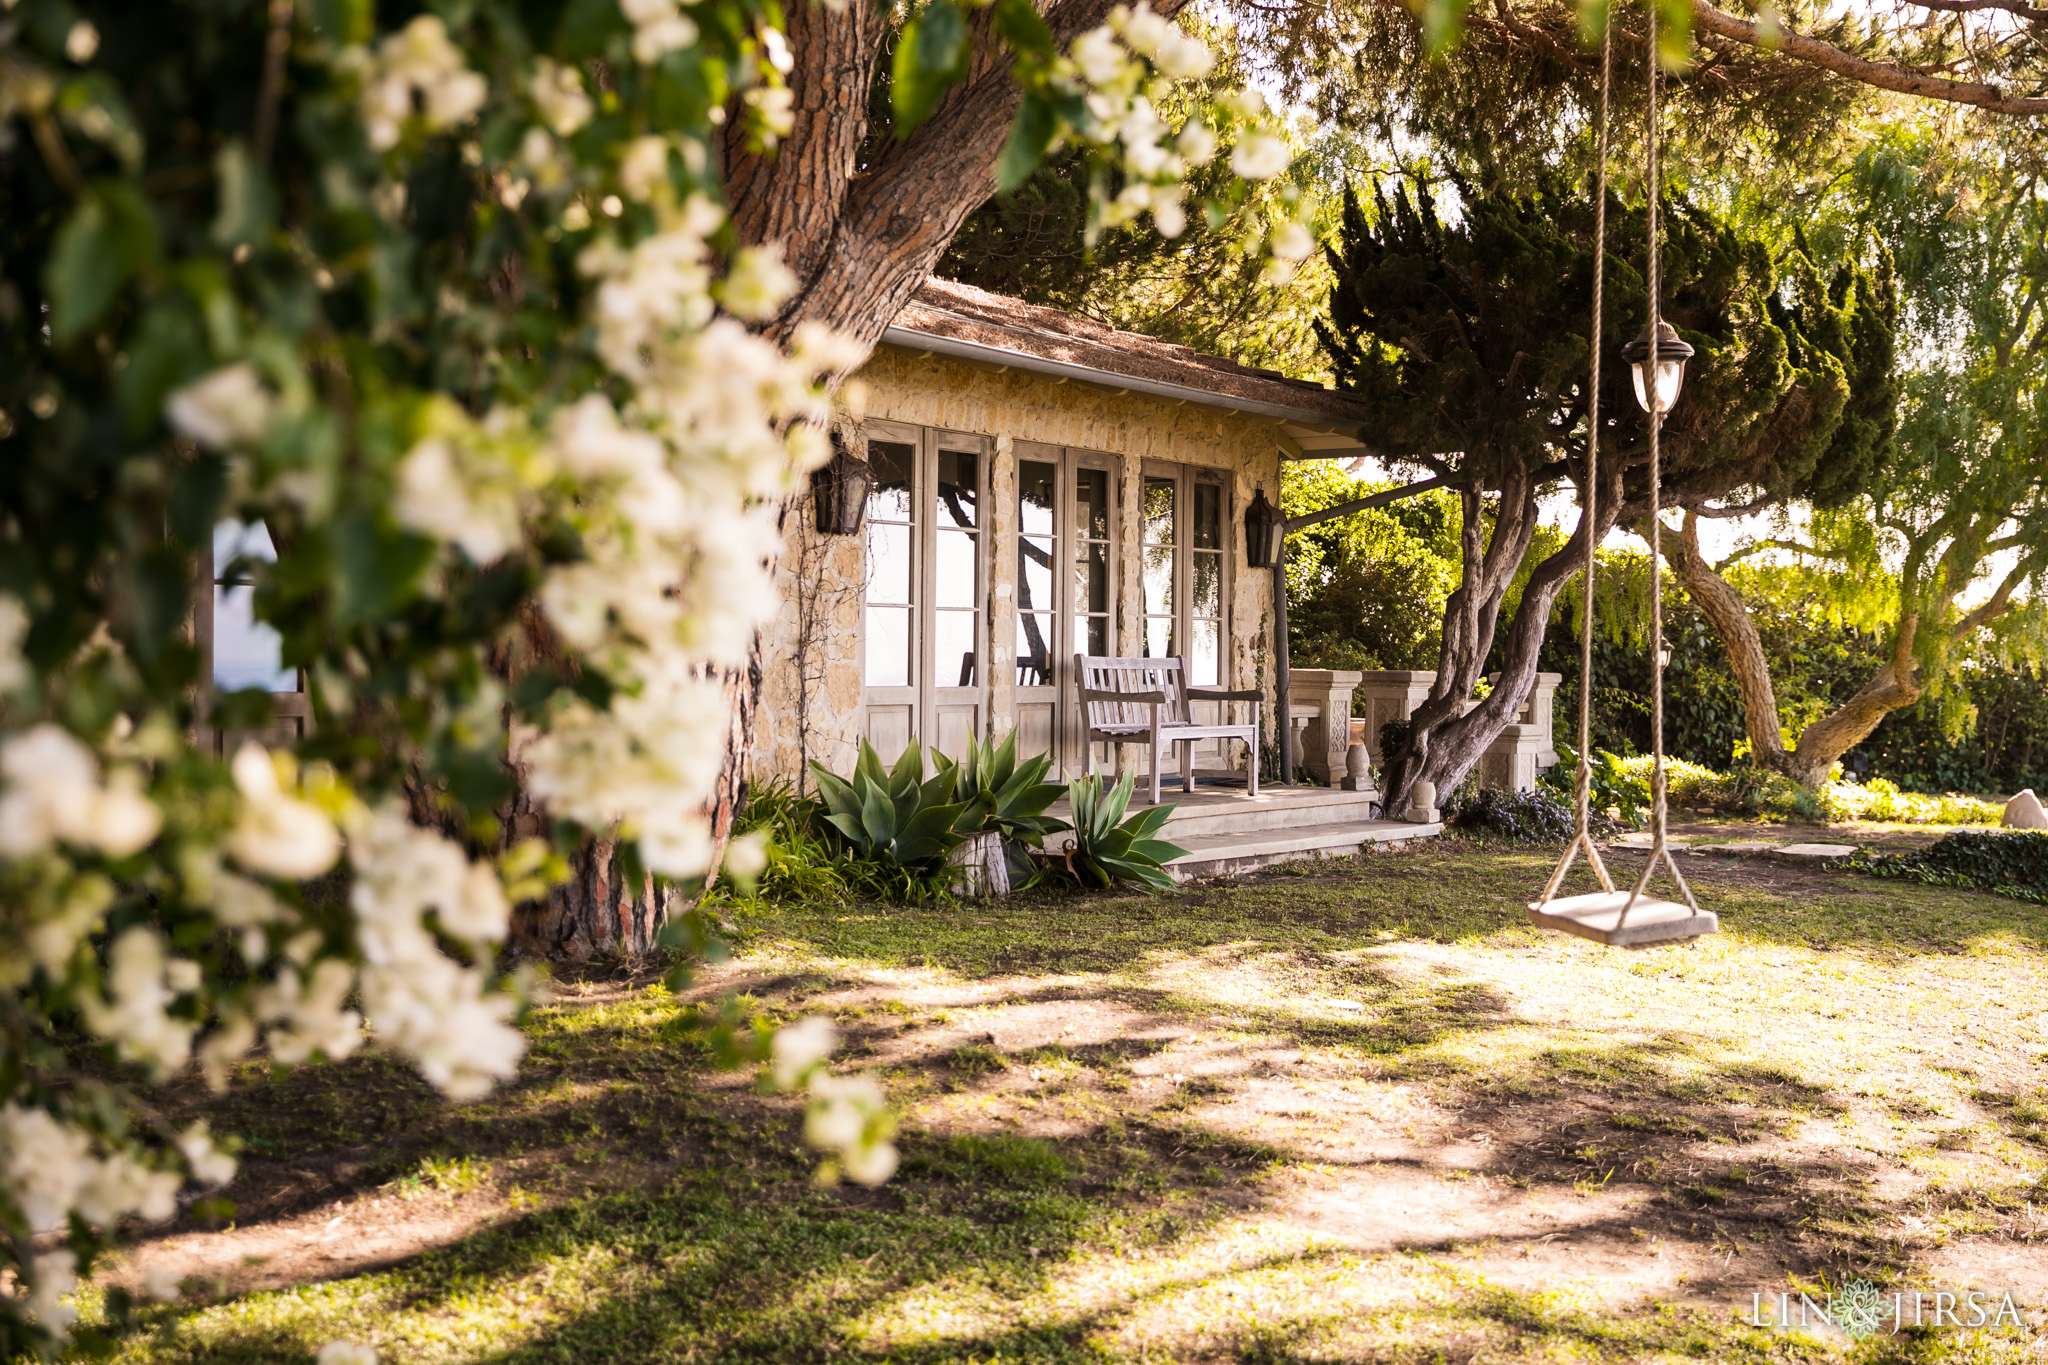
(1643, 839)
(1738, 846)
(2024, 811)
(1818, 850)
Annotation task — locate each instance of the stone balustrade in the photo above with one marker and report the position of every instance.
(1521, 751)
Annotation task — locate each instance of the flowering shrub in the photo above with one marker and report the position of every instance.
(452, 311)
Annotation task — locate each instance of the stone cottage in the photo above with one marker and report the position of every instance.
(1043, 486)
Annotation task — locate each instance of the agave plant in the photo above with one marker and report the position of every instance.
(1107, 851)
(894, 815)
(1003, 794)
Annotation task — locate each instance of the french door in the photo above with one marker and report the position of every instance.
(1066, 589)
(923, 631)
(1183, 526)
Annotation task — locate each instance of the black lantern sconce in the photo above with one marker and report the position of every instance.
(840, 489)
(1672, 353)
(1265, 529)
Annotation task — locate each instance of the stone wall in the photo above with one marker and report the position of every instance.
(1009, 407)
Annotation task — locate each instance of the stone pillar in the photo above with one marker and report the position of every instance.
(1390, 694)
(1526, 747)
(1000, 527)
(1327, 692)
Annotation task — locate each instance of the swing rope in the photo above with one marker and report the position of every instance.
(1582, 787)
(1582, 834)
(1660, 847)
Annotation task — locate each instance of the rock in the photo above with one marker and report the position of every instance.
(2024, 811)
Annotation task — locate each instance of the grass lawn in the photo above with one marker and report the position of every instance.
(1347, 1111)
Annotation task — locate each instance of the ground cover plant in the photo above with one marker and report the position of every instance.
(2011, 862)
(1354, 1111)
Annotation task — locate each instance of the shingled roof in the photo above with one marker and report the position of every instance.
(972, 324)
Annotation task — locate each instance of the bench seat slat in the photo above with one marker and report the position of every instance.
(1146, 701)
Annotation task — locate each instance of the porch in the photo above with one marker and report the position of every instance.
(1226, 831)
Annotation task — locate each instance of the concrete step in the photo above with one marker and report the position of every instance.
(1225, 855)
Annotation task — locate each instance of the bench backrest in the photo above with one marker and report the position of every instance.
(1132, 675)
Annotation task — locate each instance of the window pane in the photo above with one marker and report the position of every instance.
(1034, 573)
(246, 652)
(1208, 585)
(1034, 649)
(886, 647)
(958, 583)
(1158, 637)
(953, 649)
(893, 461)
(888, 562)
(1091, 635)
(1205, 656)
(1208, 526)
(1091, 503)
(1157, 511)
(958, 482)
(1158, 561)
(1091, 577)
(1036, 485)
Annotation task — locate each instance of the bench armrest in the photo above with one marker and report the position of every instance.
(1138, 698)
(1217, 694)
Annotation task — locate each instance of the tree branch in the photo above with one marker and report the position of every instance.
(1345, 509)
(1883, 75)
(2031, 13)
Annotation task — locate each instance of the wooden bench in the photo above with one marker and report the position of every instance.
(1145, 701)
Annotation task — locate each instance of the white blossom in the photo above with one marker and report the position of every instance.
(241, 903)
(643, 167)
(309, 1015)
(758, 284)
(82, 42)
(55, 1274)
(774, 109)
(277, 834)
(226, 1045)
(345, 1353)
(162, 1282)
(227, 408)
(43, 1165)
(53, 791)
(746, 856)
(133, 1014)
(1168, 216)
(417, 60)
(559, 95)
(847, 1115)
(800, 1046)
(209, 1164)
(14, 670)
(1196, 143)
(1293, 242)
(448, 494)
(122, 1185)
(1260, 156)
(658, 28)
(1099, 55)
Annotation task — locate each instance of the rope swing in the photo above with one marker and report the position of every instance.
(1609, 915)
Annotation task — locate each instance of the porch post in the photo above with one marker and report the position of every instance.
(1283, 729)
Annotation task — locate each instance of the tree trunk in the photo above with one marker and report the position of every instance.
(1897, 684)
(1444, 745)
(861, 239)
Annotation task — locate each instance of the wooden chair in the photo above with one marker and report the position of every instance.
(1145, 701)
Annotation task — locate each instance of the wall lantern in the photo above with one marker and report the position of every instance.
(840, 489)
(1672, 353)
(1264, 531)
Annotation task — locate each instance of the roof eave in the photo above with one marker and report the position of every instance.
(981, 353)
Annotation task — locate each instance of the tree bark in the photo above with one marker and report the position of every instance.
(1446, 740)
(1897, 684)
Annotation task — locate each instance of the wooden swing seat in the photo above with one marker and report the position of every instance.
(1597, 916)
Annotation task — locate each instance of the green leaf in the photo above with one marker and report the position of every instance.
(931, 56)
(247, 204)
(1023, 28)
(1030, 135)
(1443, 25)
(110, 236)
